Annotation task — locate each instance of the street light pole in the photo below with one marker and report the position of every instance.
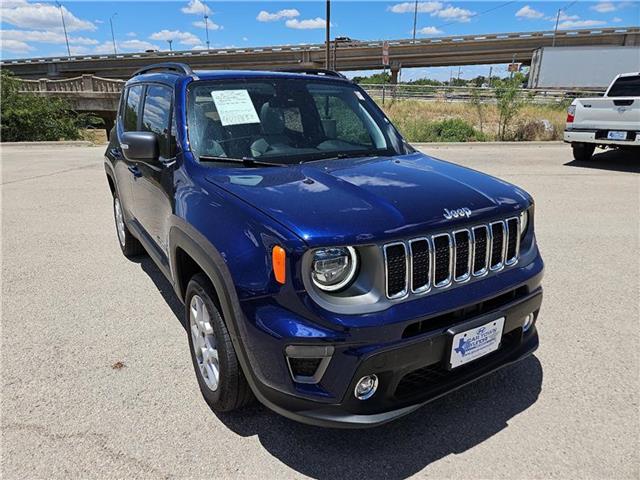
(113, 37)
(206, 22)
(415, 21)
(327, 61)
(170, 47)
(64, 28)
(555, 30)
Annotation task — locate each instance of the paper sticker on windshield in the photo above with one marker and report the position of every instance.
(235, 107)
(359, 95)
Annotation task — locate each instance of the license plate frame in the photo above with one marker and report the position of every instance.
(616, 135)
(477, 342)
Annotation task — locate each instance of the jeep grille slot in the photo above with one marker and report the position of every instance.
(497, 245)
(396, 269)
(513, 240)
(462, 240)
(480, 250)
(442, 247)
(420, 265)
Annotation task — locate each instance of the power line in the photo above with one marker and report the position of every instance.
(478, 14)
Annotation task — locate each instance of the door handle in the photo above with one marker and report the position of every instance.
(135, 171)
(115, 153)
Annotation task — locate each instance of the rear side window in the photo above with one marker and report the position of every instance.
(156, 117)
(626, 87)
(131, 108)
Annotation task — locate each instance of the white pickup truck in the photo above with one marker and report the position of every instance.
(612, 121)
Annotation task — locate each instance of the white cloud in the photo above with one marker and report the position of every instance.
(44, 36)
(211, 25)
(245, 39)
(429, 31)
(136, 45)
(44, 16)
(565, 17)
(409, 7)
(455, 14)
(132, 34)
(265, 16)
(198, 47)
(185, 38)
(604, 7)
(528, 12)
(308, 24)
(196, 7)
(98, 22)
(616, 19)
(569, 24)
(14, 46)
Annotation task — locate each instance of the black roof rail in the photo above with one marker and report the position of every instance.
(169, 67)
(323, 72)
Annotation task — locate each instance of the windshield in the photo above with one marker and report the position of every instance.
(628, 86)
(284, 120)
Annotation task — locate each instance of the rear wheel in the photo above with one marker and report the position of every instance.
(129, 244)
(218, 371)
(583, 152)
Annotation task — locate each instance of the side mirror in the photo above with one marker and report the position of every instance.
(141, 146)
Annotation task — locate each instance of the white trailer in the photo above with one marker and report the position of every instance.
(581, 67)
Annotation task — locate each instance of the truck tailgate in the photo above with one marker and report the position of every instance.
(618, 113)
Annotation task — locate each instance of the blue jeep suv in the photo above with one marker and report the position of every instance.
(326, 267)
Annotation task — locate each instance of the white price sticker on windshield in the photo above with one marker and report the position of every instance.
(235, 107)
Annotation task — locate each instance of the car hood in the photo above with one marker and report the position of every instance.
(354, 201)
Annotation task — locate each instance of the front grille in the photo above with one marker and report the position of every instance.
(420, 264)
(396, 268)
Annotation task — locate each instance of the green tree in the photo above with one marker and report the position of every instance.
(509, 101)
(29, 117)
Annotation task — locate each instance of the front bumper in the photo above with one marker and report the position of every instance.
(412, 372)
(598, 137)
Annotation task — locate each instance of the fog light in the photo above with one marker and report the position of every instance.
(528, 321)
(366, 387)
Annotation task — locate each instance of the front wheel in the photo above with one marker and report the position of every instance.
(129, 244)
(583, 152)
(218, 371)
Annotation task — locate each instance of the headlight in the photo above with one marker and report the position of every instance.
(524, 222)
(333, 268)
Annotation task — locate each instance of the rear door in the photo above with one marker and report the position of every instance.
(153, 190)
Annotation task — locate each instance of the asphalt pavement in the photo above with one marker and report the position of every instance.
(97, 381)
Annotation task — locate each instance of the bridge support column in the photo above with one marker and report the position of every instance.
(395, 71)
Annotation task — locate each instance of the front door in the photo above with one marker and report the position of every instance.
(153, 189)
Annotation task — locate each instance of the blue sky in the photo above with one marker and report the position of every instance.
(33, 29)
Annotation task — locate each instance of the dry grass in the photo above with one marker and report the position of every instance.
(411, 116)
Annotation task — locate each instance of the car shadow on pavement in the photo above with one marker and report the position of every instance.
(613, 160)
(397, 450)
(449, 425)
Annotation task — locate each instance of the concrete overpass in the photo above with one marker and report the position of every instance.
(355, 55)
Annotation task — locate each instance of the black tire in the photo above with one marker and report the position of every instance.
(583, 152)
(130, 245)
(232, 391)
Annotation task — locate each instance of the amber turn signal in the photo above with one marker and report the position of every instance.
(278, 259)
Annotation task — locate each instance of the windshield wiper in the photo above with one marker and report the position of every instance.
(341, 155)
(246, 161)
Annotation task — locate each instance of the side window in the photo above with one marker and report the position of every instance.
(156, 117)
(340, 122)
(130, 114)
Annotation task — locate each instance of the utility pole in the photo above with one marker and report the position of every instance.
(206, 22)
(64, 28)
(113, 37)
(327, 54)
(459, 69)
(555, 30)
(415, 21)
(490, 73)
(170, 42)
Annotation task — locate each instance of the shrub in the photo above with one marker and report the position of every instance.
(449, 130)
(29, 117)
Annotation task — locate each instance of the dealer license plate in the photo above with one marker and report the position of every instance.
(616, 135)
(476, 342)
